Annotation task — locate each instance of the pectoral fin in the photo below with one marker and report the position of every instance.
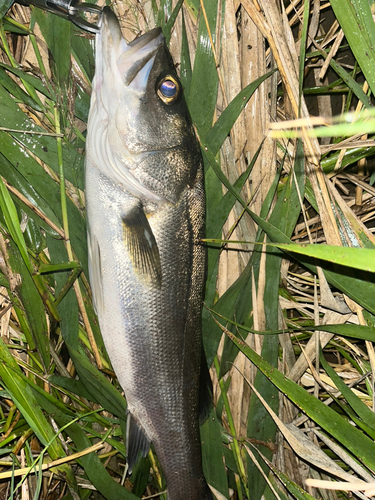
(142, 247)
(136, 441)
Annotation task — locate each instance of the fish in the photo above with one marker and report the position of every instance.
(145, 205)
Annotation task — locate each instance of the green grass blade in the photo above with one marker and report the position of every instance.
(356, 20)
(34, 238)
(356, 258)
(227, 201)
(92, 465)
(82, 50)
(185, 68)
(202, 102)
(360, 290)
(7, 82)
(5, 6)
(290, 485)
(164, 12)
(13, 224)
(22, 395)
(19, 176)
(346, 330)
(218, 133)
(44, 147)
(204, 82)
(354, 401)
(68, 307)
(167, 29)
(354, 440)
(57, 34)
(302, 55)
(349, 80)
(284, 215)
(211, 332)
(97, 385)
(30, 79)
(212, 454)
(33, 310)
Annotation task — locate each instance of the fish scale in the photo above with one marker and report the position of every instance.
(146, 215)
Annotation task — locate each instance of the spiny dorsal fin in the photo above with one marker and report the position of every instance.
(141, 245)
(136, 441)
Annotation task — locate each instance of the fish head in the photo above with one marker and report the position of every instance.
(140, 103)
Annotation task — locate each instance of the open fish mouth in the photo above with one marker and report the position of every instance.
(132, 60)
(121, 76)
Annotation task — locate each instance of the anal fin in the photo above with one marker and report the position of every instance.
(142, 247)
(136, 442)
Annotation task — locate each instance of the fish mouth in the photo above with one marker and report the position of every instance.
(134, 60)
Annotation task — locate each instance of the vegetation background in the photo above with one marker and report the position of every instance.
(288, 323)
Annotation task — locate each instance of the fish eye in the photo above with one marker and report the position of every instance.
(168, 89)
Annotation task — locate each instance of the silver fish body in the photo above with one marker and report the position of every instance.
(146, 214)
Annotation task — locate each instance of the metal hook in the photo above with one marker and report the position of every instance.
(69, 9)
